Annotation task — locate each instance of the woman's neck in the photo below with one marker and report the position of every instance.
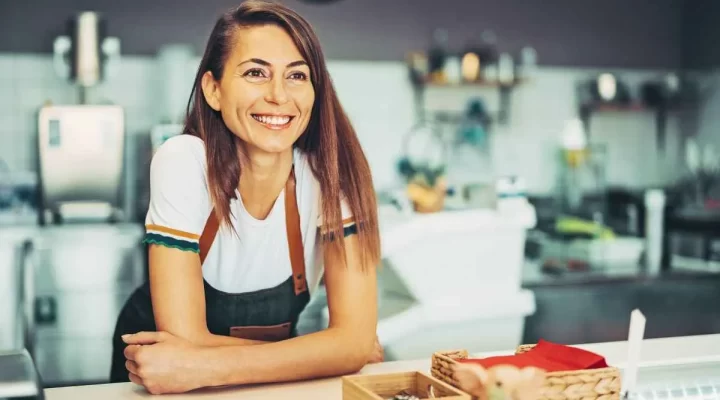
(263, 176)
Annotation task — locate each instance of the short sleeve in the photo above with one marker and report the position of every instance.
(348, 219)
(179, 201)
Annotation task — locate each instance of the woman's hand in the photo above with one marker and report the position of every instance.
(164, 363)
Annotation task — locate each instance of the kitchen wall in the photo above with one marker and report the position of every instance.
(700, 34)
(597, 33)
(379, 99)
(701, 53)
(574, 39)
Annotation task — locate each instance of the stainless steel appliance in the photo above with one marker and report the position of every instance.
(81, 150)
(81, 147)
(84, 273)
(18, 377)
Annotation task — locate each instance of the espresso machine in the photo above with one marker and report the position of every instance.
(81, 146)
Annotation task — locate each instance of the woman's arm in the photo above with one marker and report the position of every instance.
(177, 213)
(166, 364)
(178, 297)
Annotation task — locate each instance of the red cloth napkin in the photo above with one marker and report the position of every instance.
(547, 355)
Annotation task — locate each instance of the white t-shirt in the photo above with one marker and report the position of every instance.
(255, 258)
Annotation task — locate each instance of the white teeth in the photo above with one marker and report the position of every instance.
(272, 120)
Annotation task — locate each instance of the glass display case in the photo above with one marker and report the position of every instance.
(696, 380)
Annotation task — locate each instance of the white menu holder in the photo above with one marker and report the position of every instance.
(635, 338)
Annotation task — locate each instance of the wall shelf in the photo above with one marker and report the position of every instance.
(504, 92)
(586, 111)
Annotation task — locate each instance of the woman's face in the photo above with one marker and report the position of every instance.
(265, 95)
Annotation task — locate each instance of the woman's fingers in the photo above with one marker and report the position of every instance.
(131, 351)
(132, 367)
(144, 337)
(135, 379)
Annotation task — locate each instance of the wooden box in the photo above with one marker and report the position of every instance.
(386, 386)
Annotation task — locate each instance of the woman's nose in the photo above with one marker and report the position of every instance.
(277, 92)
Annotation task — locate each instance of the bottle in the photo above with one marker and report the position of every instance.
(528, 63)
(506, 69)
(437, 55)
(654, 215)
(488, 56)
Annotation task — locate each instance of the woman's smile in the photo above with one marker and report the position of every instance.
(274, 121)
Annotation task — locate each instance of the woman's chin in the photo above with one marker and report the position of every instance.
(273, 146)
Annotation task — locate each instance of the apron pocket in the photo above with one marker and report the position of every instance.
(272, 333)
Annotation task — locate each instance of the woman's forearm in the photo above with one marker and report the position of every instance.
(330, 352)
(211, 340)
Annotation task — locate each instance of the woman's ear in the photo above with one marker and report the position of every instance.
(211, 90)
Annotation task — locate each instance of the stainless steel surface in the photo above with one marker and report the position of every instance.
(18, 376)
(83, 276)
(81, 152)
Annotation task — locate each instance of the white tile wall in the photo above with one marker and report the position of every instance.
(709, 122)
(379, 100)
(27, 81)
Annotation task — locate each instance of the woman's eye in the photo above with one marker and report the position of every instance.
(255, 73)
(298, 76)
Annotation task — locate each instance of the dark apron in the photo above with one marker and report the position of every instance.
(267, 314)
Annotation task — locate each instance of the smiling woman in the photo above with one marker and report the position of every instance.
(266, 193)
(272, 90)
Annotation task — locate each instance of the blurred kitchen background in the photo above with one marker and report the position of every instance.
(543, 167)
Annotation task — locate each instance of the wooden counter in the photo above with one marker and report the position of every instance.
(654, 351)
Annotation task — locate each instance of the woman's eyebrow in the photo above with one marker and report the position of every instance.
(267, 64)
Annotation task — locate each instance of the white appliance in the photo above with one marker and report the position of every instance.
(452, 279)
(81, 150)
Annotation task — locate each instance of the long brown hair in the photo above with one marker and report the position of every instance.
(336, 157)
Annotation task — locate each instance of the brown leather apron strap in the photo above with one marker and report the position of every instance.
(208, 235)
(294, 235)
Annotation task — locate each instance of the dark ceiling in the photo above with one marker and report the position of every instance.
(622, 33)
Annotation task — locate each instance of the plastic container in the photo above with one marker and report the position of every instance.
(439, 255)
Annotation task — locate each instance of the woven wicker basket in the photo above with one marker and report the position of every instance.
(593, 384)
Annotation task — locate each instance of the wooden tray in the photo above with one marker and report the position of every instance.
(385, 386)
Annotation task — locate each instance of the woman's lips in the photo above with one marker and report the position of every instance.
(273, 121)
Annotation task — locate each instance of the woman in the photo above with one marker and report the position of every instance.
(267, 192)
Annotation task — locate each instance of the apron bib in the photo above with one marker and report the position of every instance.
(268, 314)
